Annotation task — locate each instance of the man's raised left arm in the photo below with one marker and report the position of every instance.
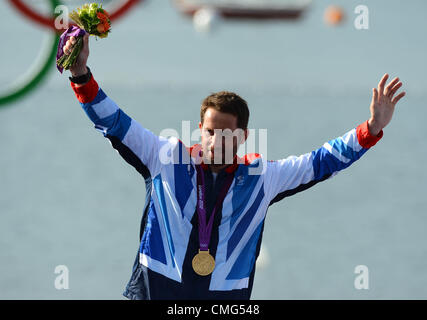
(295, 174)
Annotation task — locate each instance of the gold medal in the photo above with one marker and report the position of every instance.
(203, 263)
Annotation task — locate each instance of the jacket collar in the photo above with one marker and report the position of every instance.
(229, 169)
(196, 153)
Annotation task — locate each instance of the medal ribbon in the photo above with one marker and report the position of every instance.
(205, 230)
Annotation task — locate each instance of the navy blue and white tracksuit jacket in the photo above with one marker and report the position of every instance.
(169, 230)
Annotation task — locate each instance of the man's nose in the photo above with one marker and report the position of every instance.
(217, 140)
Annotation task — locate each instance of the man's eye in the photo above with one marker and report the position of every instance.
(210, 132)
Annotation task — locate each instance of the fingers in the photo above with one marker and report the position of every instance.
(390, 90)
(72, 41)
(67, 49)
(375, 94)
(69, 45)
(390, 86)
(381, 84)
(394, 89)
(398, 97)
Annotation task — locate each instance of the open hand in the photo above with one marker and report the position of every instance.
(383, 103)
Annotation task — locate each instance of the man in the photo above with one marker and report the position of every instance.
(204, 215)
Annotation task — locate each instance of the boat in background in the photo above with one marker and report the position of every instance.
(246, 9)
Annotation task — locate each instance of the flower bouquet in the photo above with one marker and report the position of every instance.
(92, 19)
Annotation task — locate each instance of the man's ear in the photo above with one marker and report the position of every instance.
(200, 125)
(244, 133)
(245, 137)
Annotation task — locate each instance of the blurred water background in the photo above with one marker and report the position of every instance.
(67, 198)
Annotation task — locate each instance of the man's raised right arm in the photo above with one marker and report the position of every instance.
(137, 145)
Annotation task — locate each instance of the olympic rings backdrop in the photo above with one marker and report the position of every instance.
(42, 69)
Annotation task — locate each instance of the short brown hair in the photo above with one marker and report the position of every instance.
(227, 102)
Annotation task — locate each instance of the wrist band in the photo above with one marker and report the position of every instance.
(83, 78)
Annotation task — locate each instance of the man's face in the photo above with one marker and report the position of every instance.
(220, 137)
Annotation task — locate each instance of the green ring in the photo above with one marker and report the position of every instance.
(32, 81)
